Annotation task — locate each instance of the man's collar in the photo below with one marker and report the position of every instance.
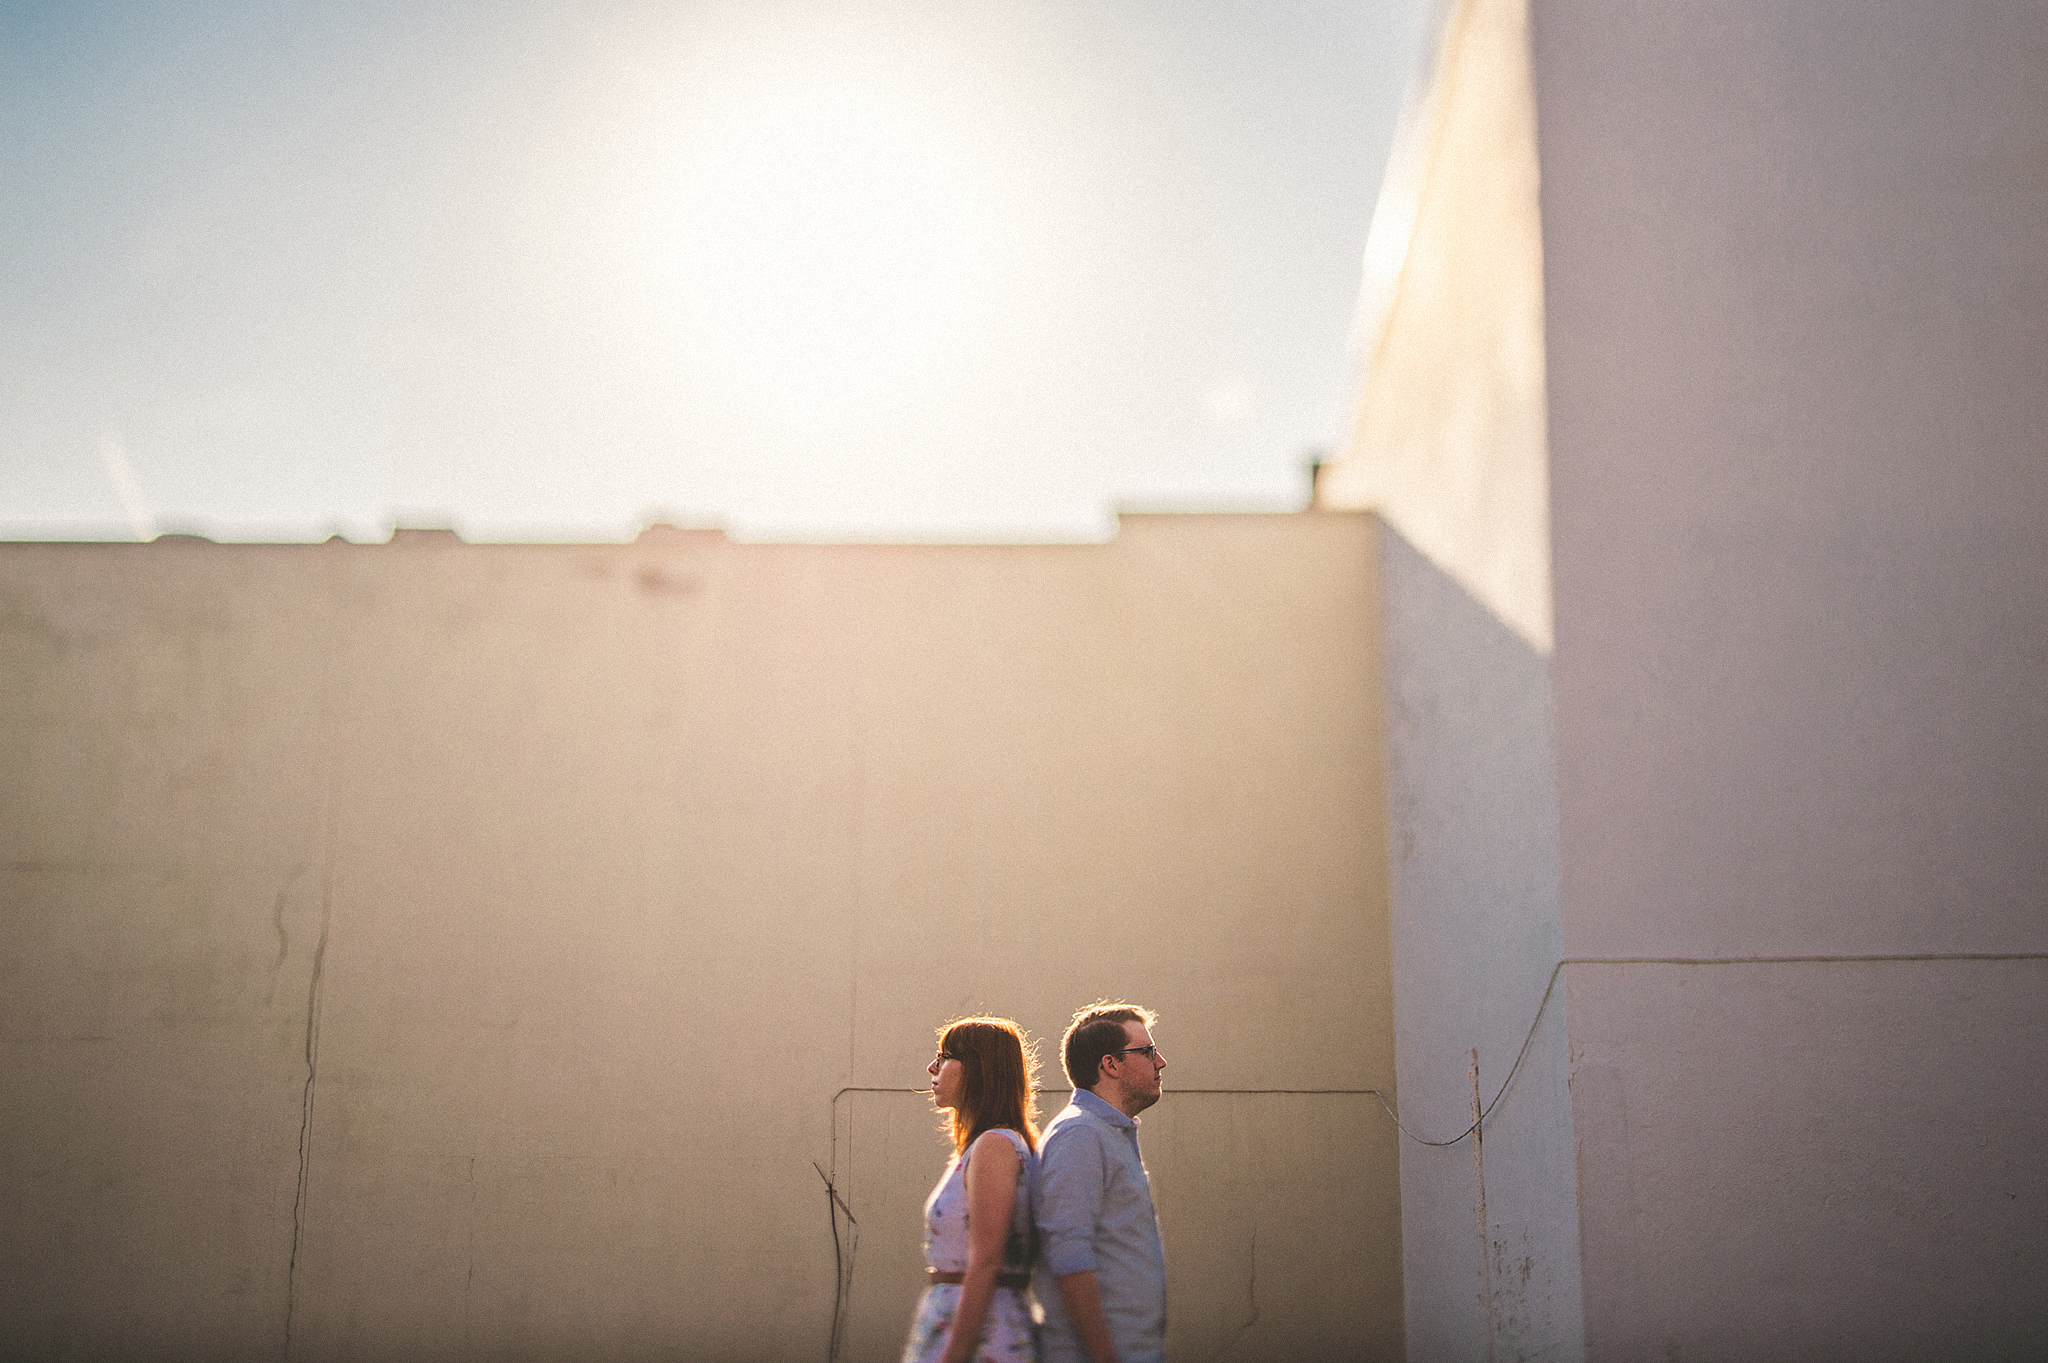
(1102, 1108)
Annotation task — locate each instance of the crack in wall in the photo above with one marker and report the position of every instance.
(306, 1115)
(329, 850)
(469, 1251)
(1251, 1284)
(1251, 1291)
(284, 941)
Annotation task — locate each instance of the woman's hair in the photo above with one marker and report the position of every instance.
(998, 1080)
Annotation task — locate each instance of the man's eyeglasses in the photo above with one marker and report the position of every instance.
(1147, 1051)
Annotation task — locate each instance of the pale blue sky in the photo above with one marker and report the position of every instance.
(929, 270)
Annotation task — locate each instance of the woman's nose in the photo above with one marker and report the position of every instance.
(932, 1069)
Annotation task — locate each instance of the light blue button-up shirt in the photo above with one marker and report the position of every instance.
(1094, 1208)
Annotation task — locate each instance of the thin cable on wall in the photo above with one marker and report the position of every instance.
(1550, 987)
(842, 1262)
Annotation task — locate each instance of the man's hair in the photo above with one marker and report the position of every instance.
(998, 1081)
(1095, 1031)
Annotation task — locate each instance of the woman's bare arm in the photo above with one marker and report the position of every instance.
(991, 1202)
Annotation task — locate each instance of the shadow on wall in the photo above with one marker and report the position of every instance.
(1474, 904)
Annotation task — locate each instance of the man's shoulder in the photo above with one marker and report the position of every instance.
(1072, 1120)
(1065, 1118)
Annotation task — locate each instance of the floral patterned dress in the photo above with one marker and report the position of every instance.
(1010, 1335)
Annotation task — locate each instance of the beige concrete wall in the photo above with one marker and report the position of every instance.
(1796, 273)
(542, 899)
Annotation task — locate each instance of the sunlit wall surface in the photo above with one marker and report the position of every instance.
(436, 950)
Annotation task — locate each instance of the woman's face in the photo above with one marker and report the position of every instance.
(946, 1073)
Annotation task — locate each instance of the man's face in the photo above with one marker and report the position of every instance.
(1136, 1069)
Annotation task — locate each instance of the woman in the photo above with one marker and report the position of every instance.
(978, 1236)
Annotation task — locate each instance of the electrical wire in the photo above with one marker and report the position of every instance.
(1550, 986)
(842, 1266)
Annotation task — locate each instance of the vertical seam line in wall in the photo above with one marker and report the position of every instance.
(859, 722)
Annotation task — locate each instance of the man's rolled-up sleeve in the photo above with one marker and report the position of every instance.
(1070, 1174)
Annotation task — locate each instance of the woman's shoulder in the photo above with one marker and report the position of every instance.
(997, 1136)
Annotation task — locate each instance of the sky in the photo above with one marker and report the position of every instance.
(888, 270)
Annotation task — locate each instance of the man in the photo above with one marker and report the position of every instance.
(1101, 1271)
